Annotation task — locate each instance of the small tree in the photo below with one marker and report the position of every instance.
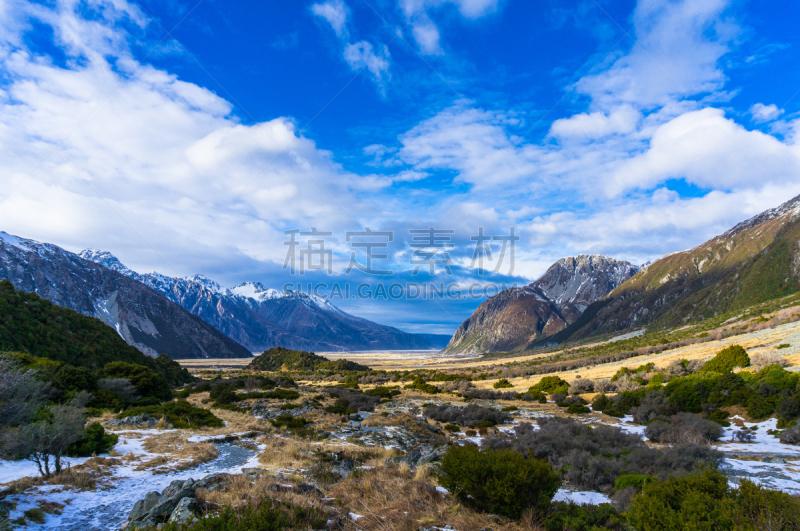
(45, 439)
(498, 481)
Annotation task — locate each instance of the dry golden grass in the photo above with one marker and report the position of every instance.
(174, 449)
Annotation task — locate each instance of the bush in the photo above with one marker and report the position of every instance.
(579, 387)
(265, 515)
(535, 396)
(574, 517)
(466, 416)
(498, 481)
(578, 408)
(95, 441)
(591, 458)
(383, 392)
(727, 359)
(452, 427)
(503, 384)
(421, 385)
(684, 428)
(551, 385)
(636, 481)
(744, 436)
(697, 501)
(147, 382)
(277, 394)
(289, 422)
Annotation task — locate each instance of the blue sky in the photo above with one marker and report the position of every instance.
(186, 137)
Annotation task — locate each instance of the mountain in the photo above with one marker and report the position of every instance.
(261, 318)
(755, 261)
(143, 317)
(35, 326)
(515, 317)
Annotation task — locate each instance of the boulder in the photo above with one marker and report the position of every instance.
(184, 511)
(343, 468)
(143, 507)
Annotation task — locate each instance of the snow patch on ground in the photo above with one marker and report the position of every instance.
(581, 497)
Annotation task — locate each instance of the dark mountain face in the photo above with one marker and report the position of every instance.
(516, 317)
(755, 261)
(262, 318)
(143, 317)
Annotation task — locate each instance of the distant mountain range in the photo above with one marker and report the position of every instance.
(755, 261)
(143, 317)
(515, 318)
(261, 318)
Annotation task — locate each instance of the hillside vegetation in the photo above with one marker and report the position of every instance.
(281, 359)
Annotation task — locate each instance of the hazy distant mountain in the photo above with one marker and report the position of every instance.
(518, 316)
(143, 317)
(755, 261)
(260, 318)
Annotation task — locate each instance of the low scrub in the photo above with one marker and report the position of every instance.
(498, 481)
(684, 428)
(727, 360)
(471, 415)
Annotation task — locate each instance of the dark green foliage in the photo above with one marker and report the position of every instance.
(281, 359)
(503, 384)
(421, 385)
(95, 441)
(703, 501)
(636, 481)
(341, 407)
(727, 360)
(498, 481)
(624, 371)
(35, 515)
(31, 324)
(148, 382)
(383, 392)
(578, 408)
(550, 385)
(452, 427)
(535, 396)
(574, 517)
(181, 414)
(695, 502)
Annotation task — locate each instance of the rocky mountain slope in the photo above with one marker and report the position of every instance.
(755, 261)
(260, 318)
(514, 318)
(143, 317)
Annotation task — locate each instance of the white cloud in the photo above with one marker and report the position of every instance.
(424, 30)
(765, 113)
(361, 55)
(678, 45)
(592, 126)
(336, 13)
(710, 151)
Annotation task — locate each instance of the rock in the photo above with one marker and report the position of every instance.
(213, 482)
(184, 511)
(774, 459)
(143, 420)
(255, 472)
(306, 488)
(344, 468)
(419, 455)
(143, 507)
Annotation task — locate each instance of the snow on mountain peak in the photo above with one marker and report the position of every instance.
(106, 259)
(14, 241)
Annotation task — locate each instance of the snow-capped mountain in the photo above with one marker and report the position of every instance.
(515, 317)
(260, 318)
(143, 317)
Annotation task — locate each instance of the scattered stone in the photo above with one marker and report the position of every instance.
(420, 455)
(176, 503)
(344, 468)
(143, 420)
(306, 488)
(184, 511)
(774, 459)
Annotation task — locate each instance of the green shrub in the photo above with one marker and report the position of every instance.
(766, 509)
(383, 392)
(485, 424)
(698, 501)
(289, 422)
(503, 384)
(533, 396)
(95, 440)
(266, 515)
(35, 515)
(551, 385)
(452, 427)
(574, 517)
(782, 345)
(636, 481)
(421, 385)
(498, 481)
(340, 407)
(287, 407)
(577, 408)
(727, 359)
(510, 408)
(148, 383)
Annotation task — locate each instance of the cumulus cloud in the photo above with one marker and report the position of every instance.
(591, 126)
(335, 12)
(424, 30)
(765, 113)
